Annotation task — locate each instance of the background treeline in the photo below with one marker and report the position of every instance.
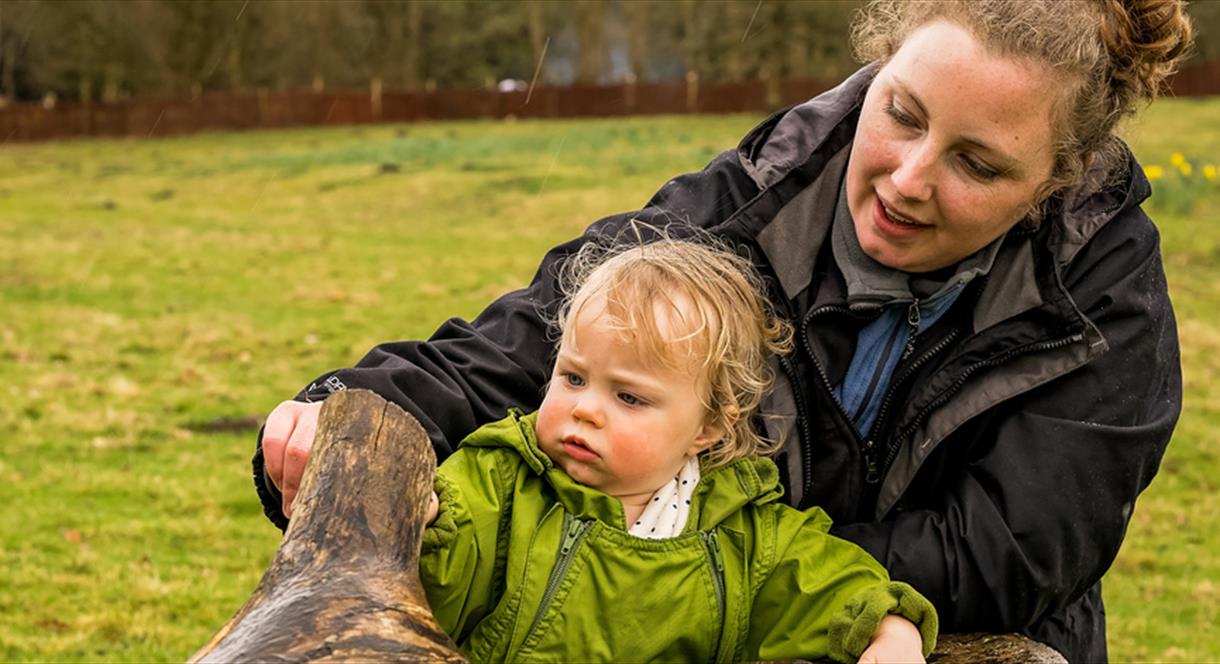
(108, 50)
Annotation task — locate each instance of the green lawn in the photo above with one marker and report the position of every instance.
(157, 295)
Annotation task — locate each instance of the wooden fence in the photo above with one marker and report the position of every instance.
(264, 109)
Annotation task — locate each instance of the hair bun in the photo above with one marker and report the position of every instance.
(1146, 40)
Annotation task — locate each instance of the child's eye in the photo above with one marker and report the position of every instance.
(575, 380)
(630, 399)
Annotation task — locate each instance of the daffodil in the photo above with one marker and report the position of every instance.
(1177, 159)
(1209, 172)
(1154, 172)
(1186, 169)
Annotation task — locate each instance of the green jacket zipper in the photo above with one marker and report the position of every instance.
(573, 532)
(712, 542)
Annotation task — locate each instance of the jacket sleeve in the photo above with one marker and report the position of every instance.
(1035, 515)
(470, 373)
(826, 597)
(458, 559)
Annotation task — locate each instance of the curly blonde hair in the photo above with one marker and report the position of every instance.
(1111, 56)
(712, 312)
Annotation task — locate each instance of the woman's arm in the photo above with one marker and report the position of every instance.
(471, 373)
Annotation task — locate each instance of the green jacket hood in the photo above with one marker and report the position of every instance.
(722, 491)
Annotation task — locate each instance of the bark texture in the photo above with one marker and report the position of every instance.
(344, 584)
(992, 649)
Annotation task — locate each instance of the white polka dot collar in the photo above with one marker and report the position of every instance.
(669, 507)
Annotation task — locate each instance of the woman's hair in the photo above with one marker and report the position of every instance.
(1110, 55)
(688, 305)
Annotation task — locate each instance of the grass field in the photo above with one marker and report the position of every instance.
(157, 296)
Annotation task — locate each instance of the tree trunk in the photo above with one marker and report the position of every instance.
(344, 584)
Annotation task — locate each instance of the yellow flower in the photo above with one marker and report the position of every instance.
(1186, 169)
(1154, 172)
(1177, 159)
(1209, 172)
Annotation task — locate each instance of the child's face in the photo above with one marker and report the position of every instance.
(614, 422)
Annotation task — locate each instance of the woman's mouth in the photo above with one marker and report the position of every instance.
(578, 449)
(893, 222)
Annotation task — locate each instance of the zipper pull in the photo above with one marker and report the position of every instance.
(872, 475)
(569, 538)
(913, 321)
(717, 558)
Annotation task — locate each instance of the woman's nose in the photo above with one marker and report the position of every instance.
(913, 177)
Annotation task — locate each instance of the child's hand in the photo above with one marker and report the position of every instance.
(287, 440)
(896, 640)
(434, 508)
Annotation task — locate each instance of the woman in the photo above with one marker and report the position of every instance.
(988, 368)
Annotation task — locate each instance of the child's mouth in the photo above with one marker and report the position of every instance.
(578, 449)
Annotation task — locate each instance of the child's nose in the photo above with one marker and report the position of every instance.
(588, 409)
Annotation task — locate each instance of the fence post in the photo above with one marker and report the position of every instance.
(375, 98)
(629, 93)
(692, 91)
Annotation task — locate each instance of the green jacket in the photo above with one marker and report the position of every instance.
(523, 563)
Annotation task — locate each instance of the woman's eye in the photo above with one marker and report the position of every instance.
(629, 399)
(575, 380)
(900, 116)
(979, 169)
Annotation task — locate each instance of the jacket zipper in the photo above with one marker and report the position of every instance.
(806, 441)
(716, 558)
(868, 447)
(872, 473)
(879, 370)
(907, 372)
(965, 375)
(573, 532)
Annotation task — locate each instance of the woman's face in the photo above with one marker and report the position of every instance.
(952, 146)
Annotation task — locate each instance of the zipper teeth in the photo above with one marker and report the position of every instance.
(966, 373)
(813, 358)
(907, 372)
(712, 542)
(805, 443)
(573, 532)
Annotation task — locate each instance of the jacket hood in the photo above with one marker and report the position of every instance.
(721, 492)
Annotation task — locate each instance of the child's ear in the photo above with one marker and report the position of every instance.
(708, 436)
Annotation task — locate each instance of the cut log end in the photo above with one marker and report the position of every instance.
(344, 584)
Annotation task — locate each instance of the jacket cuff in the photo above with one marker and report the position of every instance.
(853, 628)
(443, 531)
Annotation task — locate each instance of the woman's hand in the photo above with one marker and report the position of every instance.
(287, 439)
(896, 640)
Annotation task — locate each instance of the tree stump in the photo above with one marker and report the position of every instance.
(344, 584)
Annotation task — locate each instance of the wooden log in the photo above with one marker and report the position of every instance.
(344, 585)
(992, 649)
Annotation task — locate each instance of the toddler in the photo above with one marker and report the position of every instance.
(633, 516)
